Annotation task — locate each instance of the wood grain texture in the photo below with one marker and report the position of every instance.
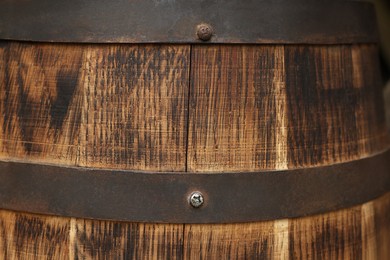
(205, 108)
(277, 107)
(251, 106)
(335, 235)
(114, 107)
(370, 250)
(332, 108)
(344, 234)
(119, 240)
(237, 98)
(229, 241)
(27, 236)
(382, 227)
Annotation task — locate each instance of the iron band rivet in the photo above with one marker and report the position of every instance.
(196, 199)
(228, 197)
(204, 31)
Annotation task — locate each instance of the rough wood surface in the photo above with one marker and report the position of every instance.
(114, 107)
(93, 239)
(26, 236)
(250, 107)
(237, 108)
(266, 107)
(382, 228)
(192, 108)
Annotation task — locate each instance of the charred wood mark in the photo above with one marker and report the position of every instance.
(323, 105)
(66, 84)
(25, 112)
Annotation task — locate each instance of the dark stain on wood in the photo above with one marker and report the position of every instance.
(331, 236)
(323, 104)
(67, 82)
(115, 106)
(119, 240)
(25, 110)
(35, 237)
(251, 108)
(101, 239)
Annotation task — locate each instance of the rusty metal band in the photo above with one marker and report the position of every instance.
(176, 21)
(163, 197)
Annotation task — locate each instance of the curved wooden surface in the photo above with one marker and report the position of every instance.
(194, 108)
(200, 108)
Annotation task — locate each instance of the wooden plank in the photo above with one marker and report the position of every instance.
(370, 106)
(335, 235)
(2, 83)
(266, 107)
(382, 226)
(229, 241)
(237, 105)
(281, 239)
(369, 246)
(40, 119)
(27, 236)
(109, 106)
(121, 240)
(361, 232)
(134, 108)
(331, 117)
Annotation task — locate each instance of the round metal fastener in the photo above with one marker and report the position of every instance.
(196, 199)
(204, 31)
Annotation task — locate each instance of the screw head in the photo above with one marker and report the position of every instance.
(204, 31)
(196, 199)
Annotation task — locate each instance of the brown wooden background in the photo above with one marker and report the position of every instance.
(199, 108)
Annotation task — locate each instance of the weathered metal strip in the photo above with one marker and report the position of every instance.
(175, 21)
(163, 197)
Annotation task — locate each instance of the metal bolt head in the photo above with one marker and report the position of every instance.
(204, 31)
(196, 199)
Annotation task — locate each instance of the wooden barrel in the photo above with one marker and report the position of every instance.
(192, 130)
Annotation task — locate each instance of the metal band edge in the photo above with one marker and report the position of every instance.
(163, 197)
